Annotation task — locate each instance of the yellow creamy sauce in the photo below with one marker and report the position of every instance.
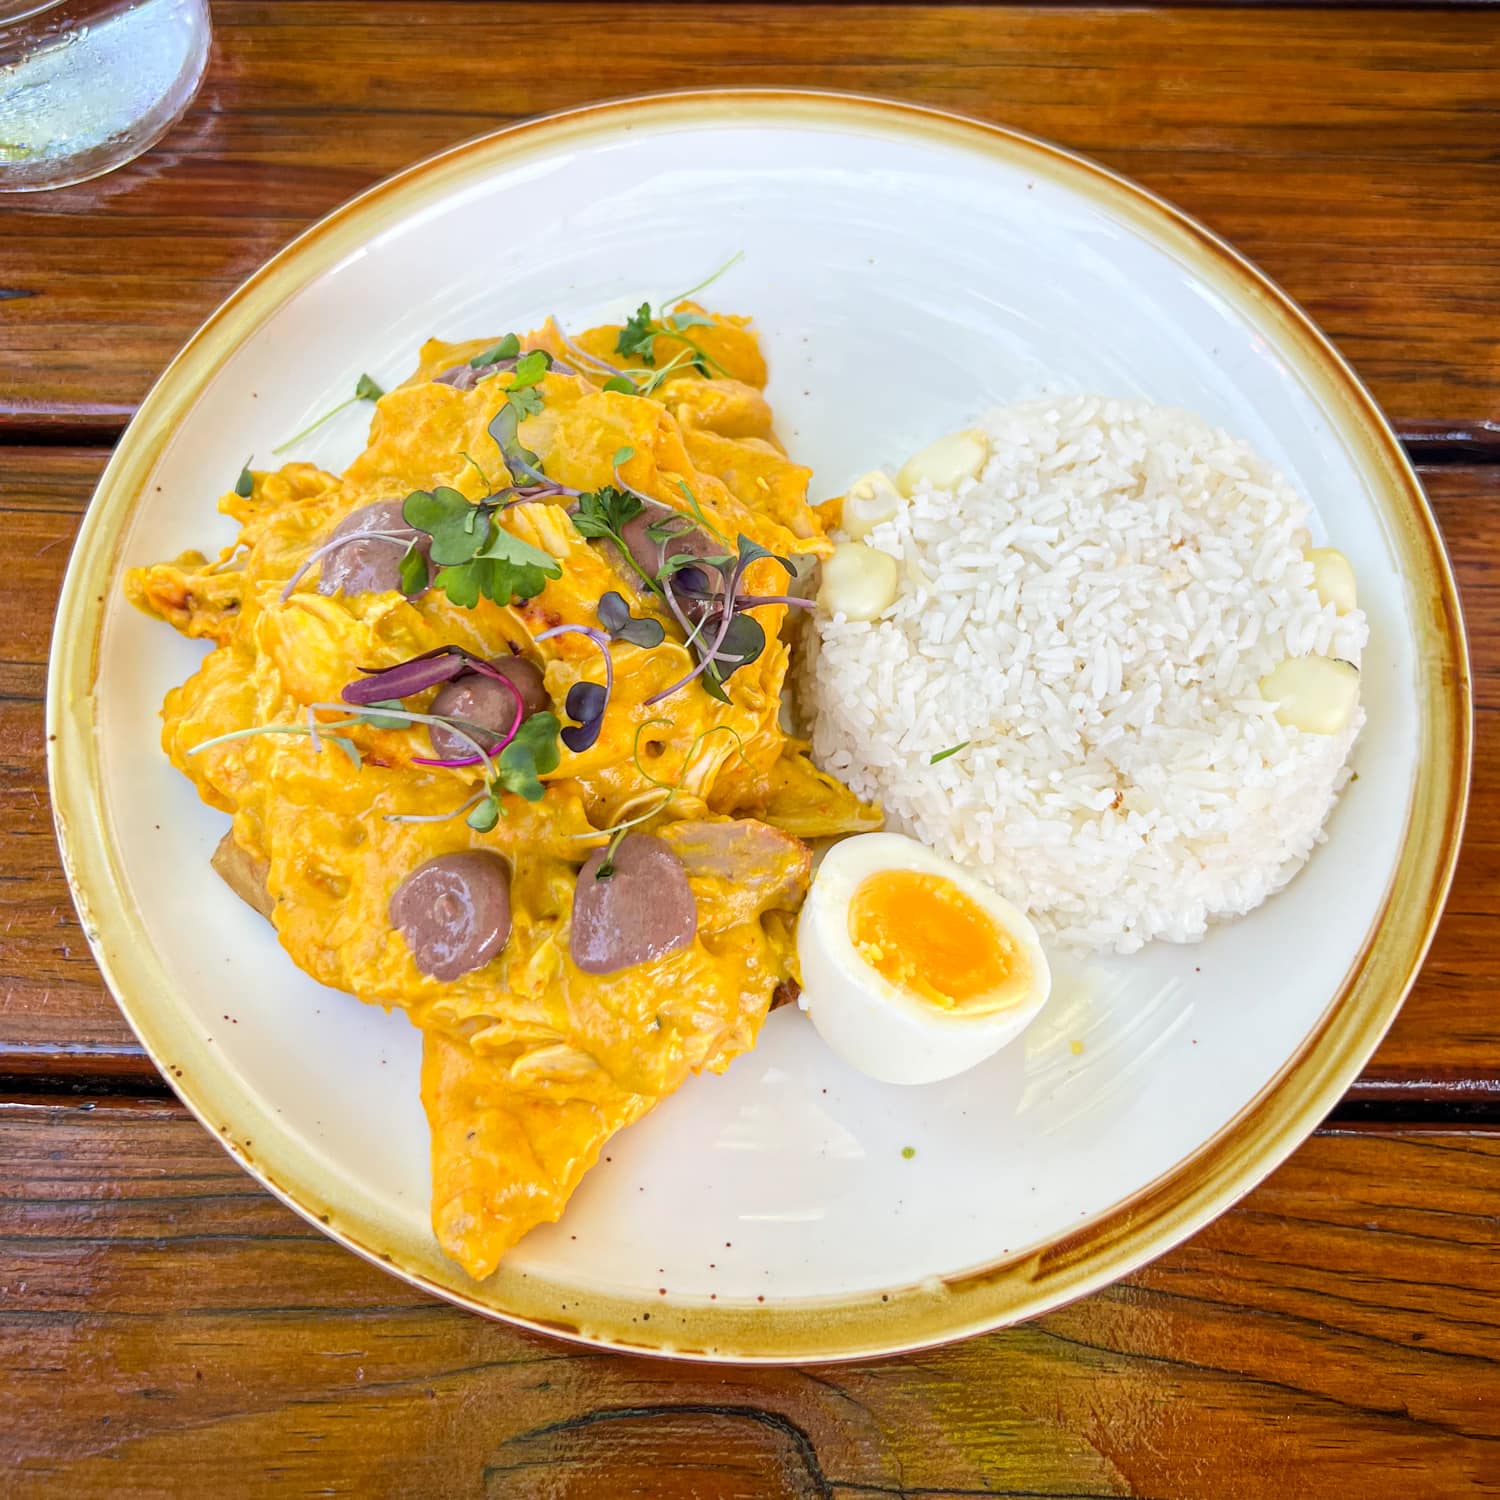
(529, 1063)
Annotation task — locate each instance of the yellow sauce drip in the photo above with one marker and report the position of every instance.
(922, 934)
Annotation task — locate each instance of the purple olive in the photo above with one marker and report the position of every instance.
(640, 912)
(454, 912)
(481, 700)
(368, 565)
(462, 377)
(686, 538)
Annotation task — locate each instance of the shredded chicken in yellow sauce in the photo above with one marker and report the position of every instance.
(530, 1062)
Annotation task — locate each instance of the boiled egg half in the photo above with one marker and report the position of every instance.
(913, 970)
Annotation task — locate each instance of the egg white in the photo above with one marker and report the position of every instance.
(871, 1023)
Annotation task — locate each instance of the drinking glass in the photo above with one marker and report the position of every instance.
(87, 85)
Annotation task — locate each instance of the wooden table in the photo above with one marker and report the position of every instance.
(165, 1327)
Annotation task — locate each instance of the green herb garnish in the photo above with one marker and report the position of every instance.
(637, 339)
(244, 486)
(365, 389)
(508, 348)
(475, 556)
(944, 754)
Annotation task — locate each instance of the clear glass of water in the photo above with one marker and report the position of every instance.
(87, 85)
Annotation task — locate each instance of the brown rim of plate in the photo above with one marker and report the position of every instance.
(868, 1323)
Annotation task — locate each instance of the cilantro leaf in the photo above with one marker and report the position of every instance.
(524, 402)
(530, 369)
(604, 512)
(508, 348)
(638, 336)
(498, 566)
(448, 517)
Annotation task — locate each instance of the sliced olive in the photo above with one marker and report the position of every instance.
(365, 564)
(462, 377)
(659, 533)
(642, 910)
(454, 912)
(481, 700)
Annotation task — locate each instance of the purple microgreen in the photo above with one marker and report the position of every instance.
(943, 755)
(580, 736)
(244, 486)
(751, 551)
(705, 664)
(505, 428)
(739, 645)
(585, 704)
(584, 357)
(405, 537)
(508, 348)
(385, 688)
(382, 684)
(615, 616)
(365, 389)
(791, 601)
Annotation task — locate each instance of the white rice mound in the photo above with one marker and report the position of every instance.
(1093, 614)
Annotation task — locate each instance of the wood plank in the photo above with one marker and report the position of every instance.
(57, 1019)
(1354, 157)
(166, 1322)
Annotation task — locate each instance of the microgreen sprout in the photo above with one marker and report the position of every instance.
(365, 389)
(942, 755)
(615, 616)
(244, 486)
(616, 832)
(586, 701)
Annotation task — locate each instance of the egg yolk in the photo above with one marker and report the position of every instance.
(925, 936)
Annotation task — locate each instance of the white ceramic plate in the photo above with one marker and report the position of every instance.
(905, 269)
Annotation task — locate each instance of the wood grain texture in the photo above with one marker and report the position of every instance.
(57, 1019)
(1353, 155)
(167, 1324)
